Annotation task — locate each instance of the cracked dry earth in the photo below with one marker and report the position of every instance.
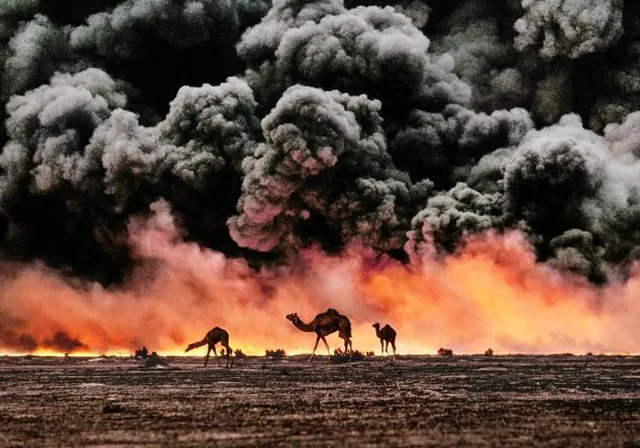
(416, 401)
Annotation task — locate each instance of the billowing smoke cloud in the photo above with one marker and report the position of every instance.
(402, 128)
(451, 215)
(483, 58)
(49, 125)
(181, 24)
(369, 50)
(62, 342)
(75, 153)
(565, 177)
(47, 128)
(444, 146)
(34, 53)
(325, 153)
(570, 28)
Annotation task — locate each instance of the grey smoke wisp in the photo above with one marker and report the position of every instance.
(402, 126)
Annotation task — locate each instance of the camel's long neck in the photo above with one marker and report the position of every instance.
(197, 344)
(302, 326)
(378, 332)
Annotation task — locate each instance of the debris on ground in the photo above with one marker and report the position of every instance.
(238, 354)
(112, 408)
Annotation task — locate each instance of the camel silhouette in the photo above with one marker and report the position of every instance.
(323, 325)
(214, 336)
(386, 335)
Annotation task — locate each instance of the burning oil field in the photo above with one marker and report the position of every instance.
(467, 171)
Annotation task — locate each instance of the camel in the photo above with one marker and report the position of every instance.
(386, 334)
(323, 325)
(214, 336)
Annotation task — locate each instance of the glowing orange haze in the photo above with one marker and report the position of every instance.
(491, 294)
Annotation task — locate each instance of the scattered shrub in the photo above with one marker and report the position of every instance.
(339, 356)
(277, 353)
(445, 351)
(142, 353)
(154, 360)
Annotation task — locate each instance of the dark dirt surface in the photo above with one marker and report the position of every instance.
(550, 401)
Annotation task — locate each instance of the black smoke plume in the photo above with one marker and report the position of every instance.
(400, 125)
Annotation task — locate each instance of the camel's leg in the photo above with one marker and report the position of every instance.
(386, 347)
(206, 357)
(326, 345)
(227, 349)
(314, 348)
(216, 354)
(393, 345)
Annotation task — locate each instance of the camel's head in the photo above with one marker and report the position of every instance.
(190, 347)
(292, 317)
(376, 326)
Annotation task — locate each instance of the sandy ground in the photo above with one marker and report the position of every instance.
(553, 401)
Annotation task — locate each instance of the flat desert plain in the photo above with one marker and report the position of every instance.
(546, 401)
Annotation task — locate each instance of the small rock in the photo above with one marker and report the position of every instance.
(111, 408)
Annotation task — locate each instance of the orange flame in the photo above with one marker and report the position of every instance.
(491, 293)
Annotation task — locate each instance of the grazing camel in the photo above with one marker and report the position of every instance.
(386, 334)
(214, 336)
(323, 325)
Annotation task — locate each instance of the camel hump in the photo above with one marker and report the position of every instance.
(218, 333)
(332, 312)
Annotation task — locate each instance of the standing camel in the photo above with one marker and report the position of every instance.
(214, 336)
(323, 325)
(386, 334)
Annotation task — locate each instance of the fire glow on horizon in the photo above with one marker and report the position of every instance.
(491, 293)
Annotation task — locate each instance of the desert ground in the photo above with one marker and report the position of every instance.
(590, 401)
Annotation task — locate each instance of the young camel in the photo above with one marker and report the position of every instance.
(214, 336)
(323, 325)
(386, 334)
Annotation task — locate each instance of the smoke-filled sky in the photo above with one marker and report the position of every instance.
(290, 137)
